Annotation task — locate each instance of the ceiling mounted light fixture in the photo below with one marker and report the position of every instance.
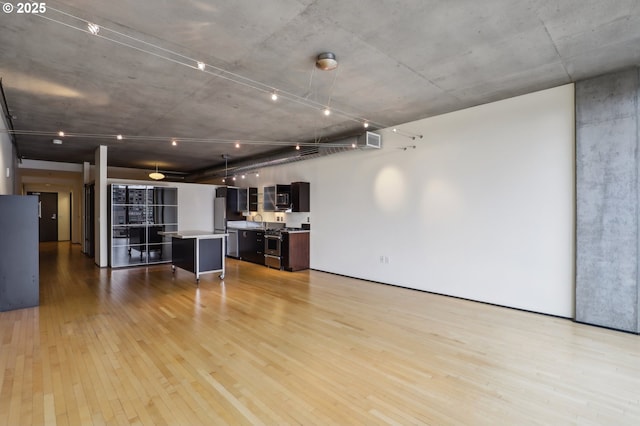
(57, 142)
(61, 133)
(156, 175)
(274, 96)
(326, 61)
(365, 124)
(119, 137)
(201, 66)
(174, 142)
(327, 111)
(93, 28)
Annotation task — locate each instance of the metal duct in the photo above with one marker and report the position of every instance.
(276, 158)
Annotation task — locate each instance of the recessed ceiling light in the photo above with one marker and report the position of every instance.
(119, 137)
(243, 176)
(257, 174)
(395, 130)
(353, 145)
(327, 111)
(174, 142)
(365, 124)
(61, 133)
(93, 28)
(237, 144)
(201, 66)
(298, 147)
(274, 96)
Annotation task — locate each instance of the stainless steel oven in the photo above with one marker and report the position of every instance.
(273, 250)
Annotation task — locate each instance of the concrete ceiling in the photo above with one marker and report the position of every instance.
(399, 60)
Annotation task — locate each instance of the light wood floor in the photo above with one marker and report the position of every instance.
(142, 346)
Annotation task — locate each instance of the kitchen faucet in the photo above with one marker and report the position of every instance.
(256, 215)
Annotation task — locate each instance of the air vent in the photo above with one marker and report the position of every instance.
(370, 140)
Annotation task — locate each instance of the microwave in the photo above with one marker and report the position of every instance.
(282, 201)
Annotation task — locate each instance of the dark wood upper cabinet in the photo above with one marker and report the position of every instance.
(300, 197)
(253, 199)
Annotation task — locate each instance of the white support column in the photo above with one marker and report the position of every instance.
(101, 225)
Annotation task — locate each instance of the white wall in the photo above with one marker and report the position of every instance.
(482, 208)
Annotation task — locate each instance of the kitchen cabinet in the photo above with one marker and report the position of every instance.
(295, 250)
(243, 200)
(198, 252)
(300, 197)
(253, 199)
(251, 245)
(277, 198)
(232, 196)
(269, 199)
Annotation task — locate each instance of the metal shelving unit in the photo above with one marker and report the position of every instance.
(138, 215)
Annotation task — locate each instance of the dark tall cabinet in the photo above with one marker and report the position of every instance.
(232, 196)
(300, 197)
(20, 272)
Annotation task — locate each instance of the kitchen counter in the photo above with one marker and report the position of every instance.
(200, 252)
(194, 234)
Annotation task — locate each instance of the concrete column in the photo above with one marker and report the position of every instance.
(608, 201)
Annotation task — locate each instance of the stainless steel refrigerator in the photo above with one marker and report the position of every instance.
(220, 214)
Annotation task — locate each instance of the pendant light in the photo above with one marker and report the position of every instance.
(156, 175)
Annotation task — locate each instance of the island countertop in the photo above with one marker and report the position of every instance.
(195, 234)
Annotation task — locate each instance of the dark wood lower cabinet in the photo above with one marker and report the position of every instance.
(295, 251)
(251, 246)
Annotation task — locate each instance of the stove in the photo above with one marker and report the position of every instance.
(273, 248)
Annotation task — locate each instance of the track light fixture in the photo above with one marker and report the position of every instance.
(93, 28)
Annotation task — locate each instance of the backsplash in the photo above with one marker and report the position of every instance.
(291, 220)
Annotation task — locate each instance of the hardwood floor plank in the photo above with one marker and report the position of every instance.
(145, 346)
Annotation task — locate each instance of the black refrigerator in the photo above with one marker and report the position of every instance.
(19, 256)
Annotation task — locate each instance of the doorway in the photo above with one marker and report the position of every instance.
(48, 215)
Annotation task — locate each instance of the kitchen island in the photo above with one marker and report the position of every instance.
(200, 252)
